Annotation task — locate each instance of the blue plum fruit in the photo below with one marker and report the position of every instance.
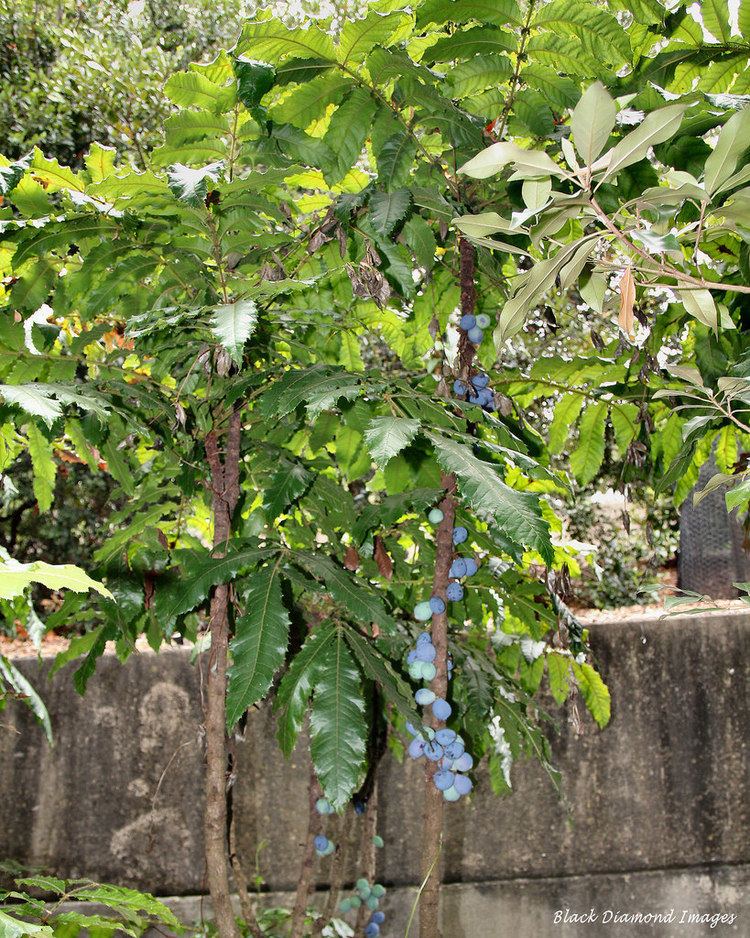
(441, 709)
(454, 592)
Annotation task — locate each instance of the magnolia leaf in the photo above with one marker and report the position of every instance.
(233, 324)
(387, 436)
(700, 304)
(627, 302)
(259, 645)
(535, 193)
(657, 127)
(732, 143)
(499, 155)
(592, 121)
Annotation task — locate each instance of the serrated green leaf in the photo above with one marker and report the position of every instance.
(387, 436)
(566, 413)
(199, 573)
(16, 577)
(259, 645)
(127, 901)
(11, 927)
(587, 457)
(233, 324)
(9, 674)
(37, 400)
(191, 185)
(715, 16)
(387, 209)
(595, 692)
(379, 669)
(254, 80)
(558, 669)
(44, 466)
(495, 12)
(347, 132)
(360, 36)
(289, 482)
(297, 685)
(338, 727)
(518, 514)
(272, 41)
(361, 602)
(191, 89)
(466, 42)
(319, 388)
(309, 102)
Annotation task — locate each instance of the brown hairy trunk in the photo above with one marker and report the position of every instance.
(225, 491)
(432, 822)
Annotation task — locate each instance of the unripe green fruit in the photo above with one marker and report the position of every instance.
(435, 516)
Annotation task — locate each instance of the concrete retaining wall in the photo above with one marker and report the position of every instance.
(658, 802)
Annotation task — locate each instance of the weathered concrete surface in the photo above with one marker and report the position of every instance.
(664, 787)
(686, 901)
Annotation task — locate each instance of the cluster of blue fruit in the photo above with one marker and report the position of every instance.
(370, 896)
(476, 392)
(446, 748)
(474, 326)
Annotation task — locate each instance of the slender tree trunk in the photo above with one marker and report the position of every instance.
(225, 489)
(432, 822)
(368, 852)
(305, 882)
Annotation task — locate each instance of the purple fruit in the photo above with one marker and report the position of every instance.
(485, 397)
(476, 335)
(480, 381)
(471, 566)
(455, 592)
(459, 387)
(455, 749)
(468, 322)
(433, 751)
(424, 697)
(464, 763)
(463, 784)
(443, 779)
(460, 534)
(483, 321)
(437, 605)
(424, 637)
(320, 843)
(416, 749)
(372, 930)
(445, 736)
(426, 652)
(411, 657)
(458, 568)
(441, 709)
(378, 917)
